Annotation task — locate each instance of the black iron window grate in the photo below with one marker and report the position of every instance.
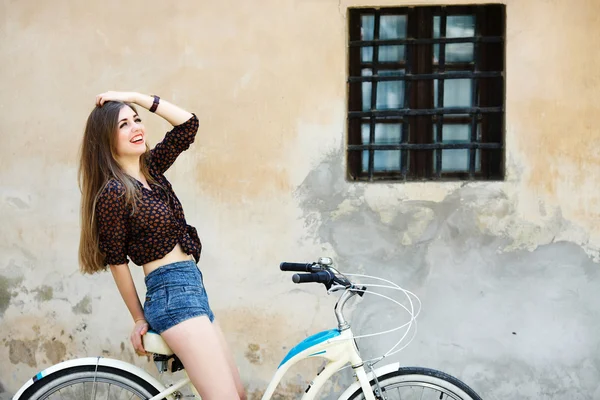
(426, 93)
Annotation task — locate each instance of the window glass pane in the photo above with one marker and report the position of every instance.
(460, 26)
(454, 160)
(459, 52)
(454, 133)
(386, 160)
(384, 133)
(457, 93)
(392, 27)
(391, 53)
(366, 54)
(457, 160)
(366, 32)
(390, 94)
(366, 91)
(365, 161)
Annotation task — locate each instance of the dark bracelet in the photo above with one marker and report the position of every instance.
(154, 103)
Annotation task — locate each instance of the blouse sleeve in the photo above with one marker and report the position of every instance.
(176, 141)
(111, 215)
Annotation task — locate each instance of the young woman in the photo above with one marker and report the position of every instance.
(129, 209)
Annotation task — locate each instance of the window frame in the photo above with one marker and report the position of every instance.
(418, 114)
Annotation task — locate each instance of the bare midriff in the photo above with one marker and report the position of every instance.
(175, 255)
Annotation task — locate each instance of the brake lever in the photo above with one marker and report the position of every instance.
(335, 288)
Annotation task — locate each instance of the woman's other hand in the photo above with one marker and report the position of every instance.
(140, 328)
(128, 97)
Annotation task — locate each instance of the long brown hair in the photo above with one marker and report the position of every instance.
(97, 166)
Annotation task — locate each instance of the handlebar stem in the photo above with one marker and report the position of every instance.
(339, 310)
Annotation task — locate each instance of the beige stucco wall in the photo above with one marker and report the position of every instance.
(267, 80)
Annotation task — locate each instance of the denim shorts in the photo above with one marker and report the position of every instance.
(174, 293)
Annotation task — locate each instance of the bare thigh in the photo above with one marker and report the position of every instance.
(197, 343)
(231, 361)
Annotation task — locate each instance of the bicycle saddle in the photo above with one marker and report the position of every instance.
(154, 343)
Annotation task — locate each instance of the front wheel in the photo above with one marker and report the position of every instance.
(85, 382)
(412, 383)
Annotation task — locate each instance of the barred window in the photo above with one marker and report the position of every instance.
(426, 93)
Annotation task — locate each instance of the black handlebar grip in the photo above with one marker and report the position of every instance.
(325, 277)
(302, 278)
(295, 267)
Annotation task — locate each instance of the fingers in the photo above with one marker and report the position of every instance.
(136, 338)
(136, 341)
(114, 96)
(102, 98)
(107, 96)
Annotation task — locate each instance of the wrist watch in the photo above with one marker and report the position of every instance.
(154, 103)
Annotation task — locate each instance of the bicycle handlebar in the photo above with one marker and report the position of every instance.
(317, 272)
(322, 272)
(296, 267)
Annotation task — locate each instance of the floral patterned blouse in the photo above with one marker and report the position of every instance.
(158, 222)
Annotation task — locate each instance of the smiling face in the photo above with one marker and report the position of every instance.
(131, 134)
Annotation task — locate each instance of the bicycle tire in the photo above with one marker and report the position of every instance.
(87, 382)
(425, 378)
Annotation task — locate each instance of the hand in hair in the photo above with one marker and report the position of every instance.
(127, 97)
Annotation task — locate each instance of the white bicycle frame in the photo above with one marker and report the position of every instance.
(338, 348)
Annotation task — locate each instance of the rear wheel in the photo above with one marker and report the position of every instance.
(418, 384)
(85, 383)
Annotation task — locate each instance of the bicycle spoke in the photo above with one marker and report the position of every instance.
(414, 391)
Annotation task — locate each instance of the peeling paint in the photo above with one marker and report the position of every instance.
(5, 294)
(55, 350)
(84, 306)
(44, 293)
(23, 351)
(253, 354)
(7, 286)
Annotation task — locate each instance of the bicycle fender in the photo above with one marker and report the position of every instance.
(386, 369)
(93, 361)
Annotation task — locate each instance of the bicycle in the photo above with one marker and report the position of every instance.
(104, 378)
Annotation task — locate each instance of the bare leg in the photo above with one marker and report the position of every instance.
(231, 361)
(198, 346)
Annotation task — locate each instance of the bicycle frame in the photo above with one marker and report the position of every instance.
(337, 347)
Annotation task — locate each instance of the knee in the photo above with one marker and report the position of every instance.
(242, 395)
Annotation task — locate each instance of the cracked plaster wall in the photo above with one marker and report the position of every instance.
(507, 271)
